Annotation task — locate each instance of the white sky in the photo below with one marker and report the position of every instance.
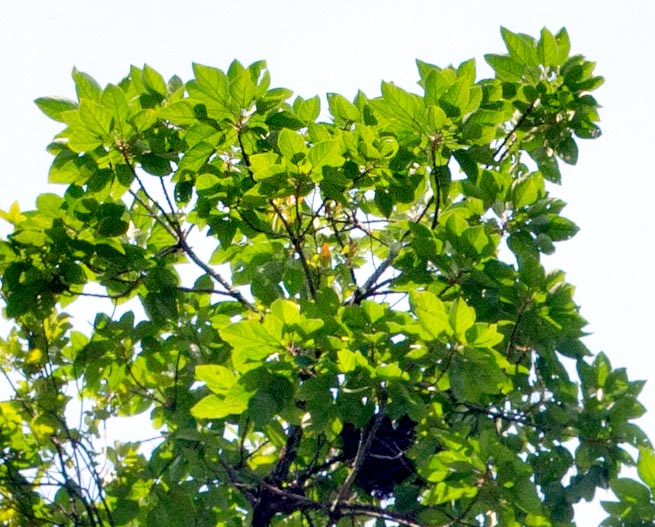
(345, 45)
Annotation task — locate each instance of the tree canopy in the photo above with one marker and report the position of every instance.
(326, 316)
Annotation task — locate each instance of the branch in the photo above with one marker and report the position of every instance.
(362, 450)
(244, 155)
(254, 227)
(287, 455)
(437, 182)
(171, 225)
(363, 291)
(229, 290)
(511, 133)
(304, 504)
(297, 247)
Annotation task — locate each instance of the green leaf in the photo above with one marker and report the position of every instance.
(400, 105)
(564, 45)
(437, 118)
(215, 407)
(483, 335)
(161, 306)
(455, 100)
(287, 312)
(646, 467)
(291, 145)
(125, 511)
(153, 81)
(520, 47)
(243, 90)
(250, 342)
(181, 113)
(461, 317)
(567, 150)
(342, 109)
(96, 118)
(548, 49)
(431, 314)
(113, 98)
(86, 86)
(112, 226)
(630, 491)
(307, 110)
(196, 157)
(218, 379)
(180, 505)
(325, 153)
(54, 107)
(206, 181)
(49, 205)
(525, 191)
(506, 68)
(346, 360)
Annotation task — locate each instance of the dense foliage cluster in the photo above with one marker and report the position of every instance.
(327, 316)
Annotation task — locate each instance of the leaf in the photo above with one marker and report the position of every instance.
(125, 511)
(567, 150)
(287, 312)
(49, 205)
(505, 67)
(181, 113)
(161, 306)
(13, 215)
(389, 371)
(342, 109)
(112, 226)
(346, 360)
(548, 49)
(307, 110)
(250, 342)
(180, 505)
(291, 145)
(564, 45)
(114, 100)
(483, 335)
(243, 89)
(95, 118)
(437, 118)
(525, 192)
(54, 107)
(218, 379)
(431, 313)
(196, 157)
(325, 153)
(153, 81)
(455, 100)
(520, 47)
(213, 407)
(86, 86)
(646, 466)
(400, 105)
(461, 317)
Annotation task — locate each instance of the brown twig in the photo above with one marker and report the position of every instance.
(365, 443)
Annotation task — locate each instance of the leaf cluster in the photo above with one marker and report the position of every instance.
(297, 294)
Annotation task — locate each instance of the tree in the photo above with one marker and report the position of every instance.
(325, 323)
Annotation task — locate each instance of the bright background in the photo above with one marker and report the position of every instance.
(345, 45)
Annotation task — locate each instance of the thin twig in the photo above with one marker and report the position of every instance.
(297, 247)
(511, 133)
(362, 292)
(229, 290)
(365, 443)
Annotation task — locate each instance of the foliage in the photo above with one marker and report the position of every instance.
(324, 322)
